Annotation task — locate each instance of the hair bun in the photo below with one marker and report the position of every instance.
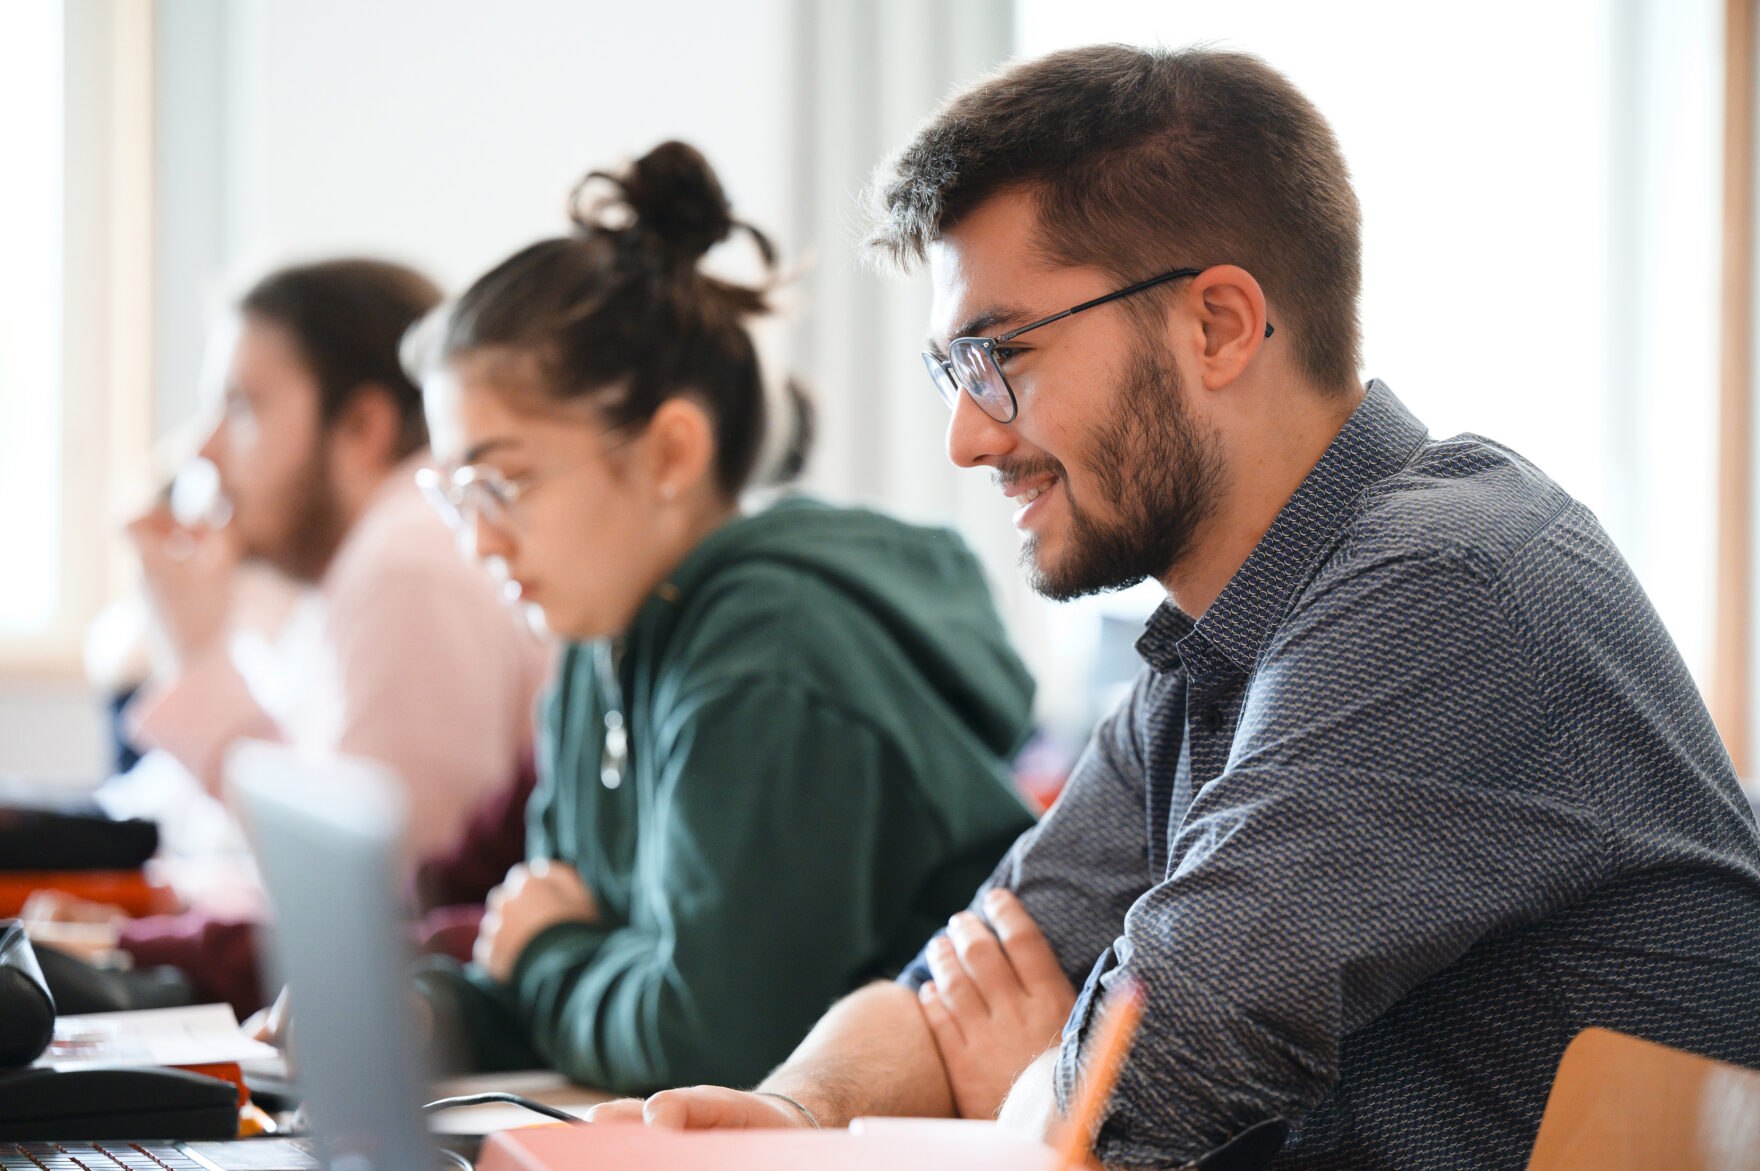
(676, 199)
(668, 204)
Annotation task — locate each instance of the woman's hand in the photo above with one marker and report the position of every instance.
(535, 895)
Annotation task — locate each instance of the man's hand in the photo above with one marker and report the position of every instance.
(1031, 1108)
(702, 1108)
(998, 1001)
(189, 575)
(871, 1054)
(535, 895)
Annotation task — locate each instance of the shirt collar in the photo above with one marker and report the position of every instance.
(1377, 440)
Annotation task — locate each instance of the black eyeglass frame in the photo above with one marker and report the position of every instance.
(948, 385)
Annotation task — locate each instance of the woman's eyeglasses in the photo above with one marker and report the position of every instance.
(476, 492)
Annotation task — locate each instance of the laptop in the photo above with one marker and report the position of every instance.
(328, 835)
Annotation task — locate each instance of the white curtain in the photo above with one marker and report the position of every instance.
(869, 75)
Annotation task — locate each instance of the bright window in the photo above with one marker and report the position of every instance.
(30, 314)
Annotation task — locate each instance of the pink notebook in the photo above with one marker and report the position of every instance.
(870, 1144)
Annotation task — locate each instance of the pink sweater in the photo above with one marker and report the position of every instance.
(406, 656)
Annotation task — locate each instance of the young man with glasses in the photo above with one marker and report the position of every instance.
(1414, 785)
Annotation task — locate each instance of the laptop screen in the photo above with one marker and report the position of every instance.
(328, 836)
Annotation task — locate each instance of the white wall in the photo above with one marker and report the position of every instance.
(52, 730)
(444, 133)
(447, 133)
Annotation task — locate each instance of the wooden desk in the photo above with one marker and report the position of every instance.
(541, 1085)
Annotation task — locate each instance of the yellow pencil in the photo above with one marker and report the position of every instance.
(1119, 1017)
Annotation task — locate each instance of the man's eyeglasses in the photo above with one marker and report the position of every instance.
(971, 364)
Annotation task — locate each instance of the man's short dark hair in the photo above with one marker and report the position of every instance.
(1144, 160)
(348, 318)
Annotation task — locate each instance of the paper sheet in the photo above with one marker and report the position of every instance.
(198, 1035)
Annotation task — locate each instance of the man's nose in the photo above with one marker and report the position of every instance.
(973, 437)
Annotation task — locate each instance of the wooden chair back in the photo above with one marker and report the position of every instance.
(1623, 1104)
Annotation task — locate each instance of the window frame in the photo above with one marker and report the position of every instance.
(106, 347)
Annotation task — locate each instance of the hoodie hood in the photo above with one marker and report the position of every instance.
(921, 585)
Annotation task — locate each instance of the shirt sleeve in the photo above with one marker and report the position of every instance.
(199, 714)
(1087, 860)
(432, 682)
(765, 855)
(1379, 815)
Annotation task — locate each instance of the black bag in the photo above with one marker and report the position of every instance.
(27, 1011)
(37, 836)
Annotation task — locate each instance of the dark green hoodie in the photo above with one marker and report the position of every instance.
(821, 706)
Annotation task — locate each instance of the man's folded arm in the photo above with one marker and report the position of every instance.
(1081, 867)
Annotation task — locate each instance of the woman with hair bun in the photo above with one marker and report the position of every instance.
(775, 758)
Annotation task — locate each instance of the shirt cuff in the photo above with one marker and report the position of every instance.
(198, 715)
(1115, 1144)
(916, 973)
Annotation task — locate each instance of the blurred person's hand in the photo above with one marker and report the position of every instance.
(535, 895)
(269, 1025)
(84, 929)
(188, 573)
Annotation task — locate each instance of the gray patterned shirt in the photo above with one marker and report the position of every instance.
(1427, 790)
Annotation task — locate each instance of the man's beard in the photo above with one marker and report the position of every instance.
(313, 524)
(1159, 473)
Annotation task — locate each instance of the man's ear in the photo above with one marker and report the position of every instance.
(371, 426)
(680, 439)
(1232, 314)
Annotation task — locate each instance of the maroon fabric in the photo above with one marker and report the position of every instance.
(493, 841)
(220, 955)
(450, 931)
